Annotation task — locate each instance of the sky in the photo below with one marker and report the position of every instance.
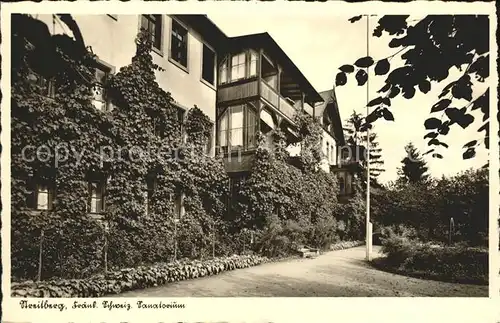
(319, 44)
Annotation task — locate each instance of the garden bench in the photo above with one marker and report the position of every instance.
(308, 252)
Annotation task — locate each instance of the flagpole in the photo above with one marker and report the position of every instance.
(368, 227)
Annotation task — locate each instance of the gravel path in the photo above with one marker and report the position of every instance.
(336, 273)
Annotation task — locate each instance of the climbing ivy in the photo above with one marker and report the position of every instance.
(138, 140)
(286, 204)
(141, 148)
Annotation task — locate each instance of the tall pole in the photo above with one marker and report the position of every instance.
(368, 228)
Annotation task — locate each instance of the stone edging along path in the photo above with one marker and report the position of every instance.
(143, 276)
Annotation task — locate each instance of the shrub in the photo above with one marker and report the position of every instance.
(428, 207)
(346, 245)
(133, 278)
(457, 263)
(399, 230)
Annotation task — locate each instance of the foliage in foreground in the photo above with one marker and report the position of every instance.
(431, 48)
(133, 278)
(457, 263)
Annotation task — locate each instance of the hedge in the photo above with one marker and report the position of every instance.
(457, 263)
(133, 278)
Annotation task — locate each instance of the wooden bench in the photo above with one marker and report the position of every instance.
(307, 252)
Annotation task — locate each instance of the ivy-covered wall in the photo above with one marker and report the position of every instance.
(290, 201)
(139, 140)
(137, 152)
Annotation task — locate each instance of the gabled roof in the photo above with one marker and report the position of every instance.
(265, 41)
(331, 107)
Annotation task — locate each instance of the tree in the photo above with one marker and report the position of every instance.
(414, 169)
(430, 48)
(357, 137)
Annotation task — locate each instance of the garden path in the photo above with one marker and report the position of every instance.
(336, 273)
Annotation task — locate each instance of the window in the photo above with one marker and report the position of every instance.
(208, 65)
(178, 43)
(44, 86)
(148, 192)
(348, 183)
(237, 128)
(178, 200)
(152, 24)
(328, 151)
(180, 121)
(96, 190)
(42, 193)
(341, 185)
(236, 183)
(223, 71)
(100, 100)
(251, 128)
(44, 196)
(238, 67)
(253, 63)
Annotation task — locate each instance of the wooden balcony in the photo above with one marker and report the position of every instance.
(277, 101)
(237, 91)
(250, 89)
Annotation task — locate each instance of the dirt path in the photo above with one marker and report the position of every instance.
(337, 273)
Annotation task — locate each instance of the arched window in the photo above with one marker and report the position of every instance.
(237, 128)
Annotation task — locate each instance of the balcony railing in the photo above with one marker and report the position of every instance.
(238, 91)
(287, 108)
(277, 101)
(250, 89)
(270, 94)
